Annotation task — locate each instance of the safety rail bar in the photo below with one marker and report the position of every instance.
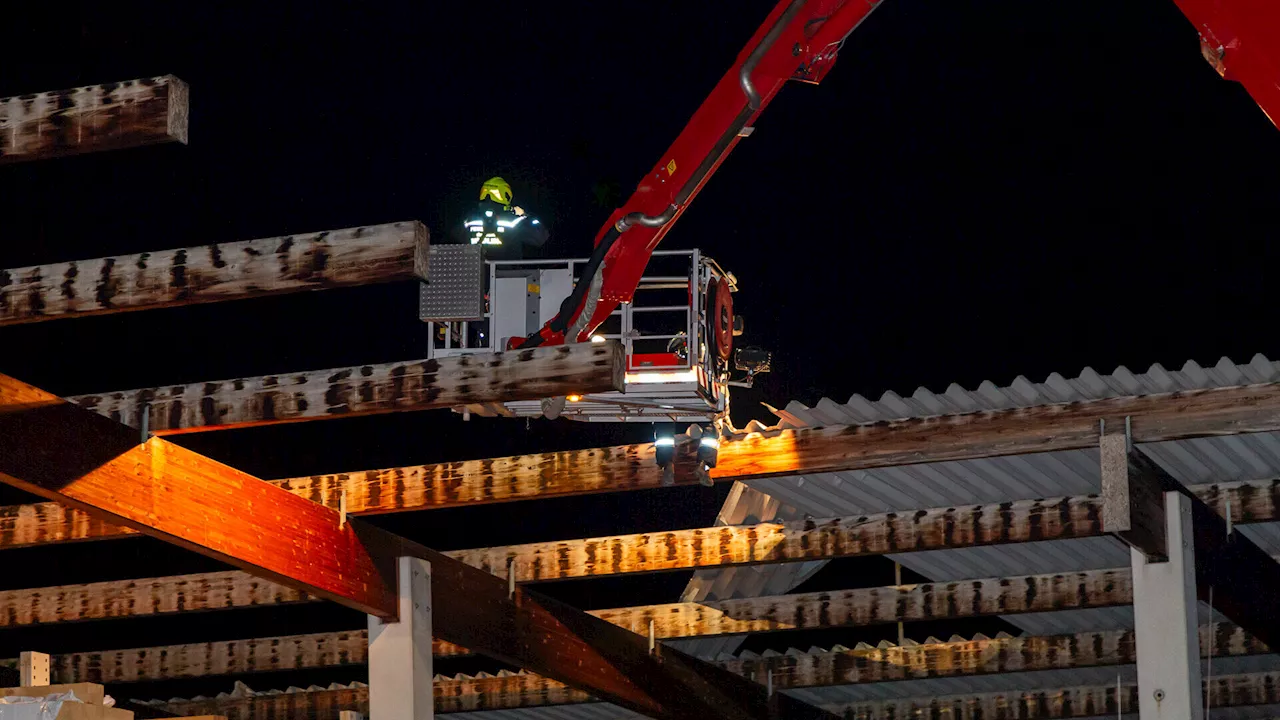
(628, 333)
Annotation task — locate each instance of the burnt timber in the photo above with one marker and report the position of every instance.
(215, 273)
(1071, 426)
(513, 691)
(721, 546)
(958, 657)
(843, 608)
(111, 116)
(366, 390)
(61, 451)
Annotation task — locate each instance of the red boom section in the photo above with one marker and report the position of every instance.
(798, 40)
(1241, 38)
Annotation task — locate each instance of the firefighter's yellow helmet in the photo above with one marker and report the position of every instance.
(496, 189)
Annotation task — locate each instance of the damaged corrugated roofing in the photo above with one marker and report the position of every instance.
(1201, 460)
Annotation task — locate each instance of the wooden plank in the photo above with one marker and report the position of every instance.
(1132, 502)
(111, 116)
(1043, 428)
(859, 535)
(368, 389)
(864, 664)
(138, 598)
(214, 273)
(411, 487)
(1173, 416)
(57, 449)
(1241, 690)
(231, 657)
(844, 608)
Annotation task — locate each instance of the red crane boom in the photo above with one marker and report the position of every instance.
(799, 41)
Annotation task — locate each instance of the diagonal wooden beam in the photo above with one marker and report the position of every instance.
(214, 273)
(422, 487)
(94, 118)
(61, 451)
(55, 449)
(367, 390)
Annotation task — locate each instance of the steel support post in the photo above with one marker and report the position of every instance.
(1168, 638)
(400, 652)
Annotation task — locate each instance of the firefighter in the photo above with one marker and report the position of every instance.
(503, 229)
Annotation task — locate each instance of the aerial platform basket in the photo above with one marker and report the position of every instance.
(675, 370)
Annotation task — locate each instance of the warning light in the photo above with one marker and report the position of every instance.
(574, 398)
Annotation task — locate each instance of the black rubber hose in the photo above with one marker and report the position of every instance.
(560, 322)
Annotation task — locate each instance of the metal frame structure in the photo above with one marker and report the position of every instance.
(657, 388)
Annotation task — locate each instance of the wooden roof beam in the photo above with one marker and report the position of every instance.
(957, 657)
(429, 486)
(111, 116)
(367, 390)
(61, 451)
(215, 273)
(470, 694)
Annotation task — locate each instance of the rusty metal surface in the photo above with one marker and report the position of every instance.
(93, 118)
(214, 273)
(368, 389)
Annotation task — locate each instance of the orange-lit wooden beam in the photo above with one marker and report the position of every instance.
(367, 390)
(214, 273)
(88, 119)
(56, 449)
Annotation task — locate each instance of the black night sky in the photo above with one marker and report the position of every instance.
(980, 189)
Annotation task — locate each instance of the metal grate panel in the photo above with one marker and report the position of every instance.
(454, 290)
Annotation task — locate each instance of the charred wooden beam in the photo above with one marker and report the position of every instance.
(367, 390)
(471, 694)
(977, 656)
(138, 598)
(1132, 501)
(881, 605)
(722, 546)
(1068, 426)
(214, 273)
(845, 608)
(61, 451)
(421, 487)
(932, 659)
(94, 118)
(55, 449)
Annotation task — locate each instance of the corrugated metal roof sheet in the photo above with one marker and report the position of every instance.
(1201, 460)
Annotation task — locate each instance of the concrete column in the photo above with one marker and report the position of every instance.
(400, 652)
(1167, 628)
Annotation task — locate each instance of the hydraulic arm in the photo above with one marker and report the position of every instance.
(798, 41)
